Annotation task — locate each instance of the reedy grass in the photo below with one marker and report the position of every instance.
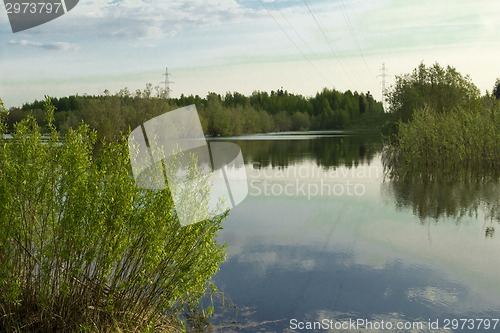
(454, 141)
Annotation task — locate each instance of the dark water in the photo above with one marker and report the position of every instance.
(325, 239)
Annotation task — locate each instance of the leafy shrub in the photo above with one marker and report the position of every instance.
(82, 248)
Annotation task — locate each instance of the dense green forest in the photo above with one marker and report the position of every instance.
(221, 115)
(436, 115)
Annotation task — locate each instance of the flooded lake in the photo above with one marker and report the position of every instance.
(326, 242)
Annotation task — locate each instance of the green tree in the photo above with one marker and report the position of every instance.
(496, 90)
(300, 121)
(250, 120)
(282, 122)
(266, 121)
(341, 119)
(219, 117)
(364, 106)
(440, 89)
(15, 115)
(370, 100)
(326, 115)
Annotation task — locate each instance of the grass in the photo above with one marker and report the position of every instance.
(460, 140)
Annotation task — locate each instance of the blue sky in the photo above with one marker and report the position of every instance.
(246, 45)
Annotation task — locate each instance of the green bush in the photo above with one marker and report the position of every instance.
(82, 248)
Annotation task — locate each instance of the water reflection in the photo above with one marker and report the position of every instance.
(336, 288)
(342, 257)
(438, 194)
(325, 150)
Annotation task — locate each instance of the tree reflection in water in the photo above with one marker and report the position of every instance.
(438, 194)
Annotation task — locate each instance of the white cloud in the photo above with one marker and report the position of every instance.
(58, 46)
(432, 295)
(152, 19)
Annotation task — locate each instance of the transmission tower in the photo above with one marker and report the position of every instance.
(384, 75)
(167, 83)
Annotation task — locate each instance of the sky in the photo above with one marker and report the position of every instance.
(223, 46)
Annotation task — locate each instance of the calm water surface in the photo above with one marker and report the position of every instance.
(324, 237)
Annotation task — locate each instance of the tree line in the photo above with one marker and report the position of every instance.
(221, 115)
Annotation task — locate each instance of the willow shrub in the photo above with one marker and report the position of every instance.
(83, 249)
(451, 141)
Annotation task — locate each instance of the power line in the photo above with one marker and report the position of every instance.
(302, 39)
(293, 42)
(328, 39)
(353, 34)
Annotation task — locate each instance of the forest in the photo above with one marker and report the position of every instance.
(112, 115)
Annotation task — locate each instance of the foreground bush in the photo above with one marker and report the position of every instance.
(83, 249)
